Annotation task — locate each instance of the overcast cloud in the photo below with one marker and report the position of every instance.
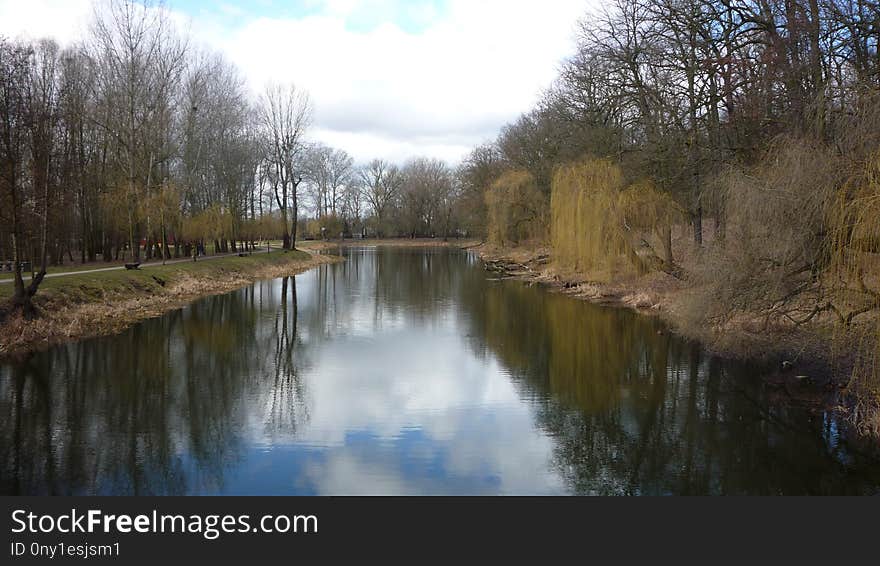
(388, 78)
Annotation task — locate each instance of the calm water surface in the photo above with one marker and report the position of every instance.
(406, 371)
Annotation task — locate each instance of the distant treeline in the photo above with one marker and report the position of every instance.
(734, 144)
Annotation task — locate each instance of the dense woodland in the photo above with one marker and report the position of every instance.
(733, 145)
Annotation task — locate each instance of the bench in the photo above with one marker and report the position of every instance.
(133, 265)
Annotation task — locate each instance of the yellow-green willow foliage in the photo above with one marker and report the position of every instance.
(114, 208)
(603, 228)
(162, 207)
(586, 233)
(854, 245)
(332, 225)
(516, 209)
(213, 223)
(649, 215)
(268, 227)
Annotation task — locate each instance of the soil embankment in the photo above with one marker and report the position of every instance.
(92, 304)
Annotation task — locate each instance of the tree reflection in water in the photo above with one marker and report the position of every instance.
(287, 407)
(407, 371)
(635, 410)
(159, 409)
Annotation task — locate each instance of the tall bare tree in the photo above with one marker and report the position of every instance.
(140, 59)
(381, 183)
(328, 171)
(285, 114)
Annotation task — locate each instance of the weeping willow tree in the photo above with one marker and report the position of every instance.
(118, 219)
(648, 215)
(603, 228)
(516, 209)
(214, 223)
(161, 209)
(854, 256)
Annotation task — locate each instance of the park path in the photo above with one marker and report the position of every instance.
(118, 267)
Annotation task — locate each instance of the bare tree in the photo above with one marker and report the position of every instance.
(14, 124)
(426, 196)
(381, 185)
(285, 114)
(140, 61)
(327, 171)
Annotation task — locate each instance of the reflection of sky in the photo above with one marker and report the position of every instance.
(396, 404)
(388, 380)
(411, 463)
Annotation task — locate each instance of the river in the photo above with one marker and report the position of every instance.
(410, 371)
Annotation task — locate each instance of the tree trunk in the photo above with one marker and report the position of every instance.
(667, 246)
(697, 220)
(293, 227)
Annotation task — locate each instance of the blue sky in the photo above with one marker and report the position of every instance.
(392, 79)
(412, 16)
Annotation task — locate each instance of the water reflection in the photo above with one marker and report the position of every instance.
(634, 410)
(406, 371)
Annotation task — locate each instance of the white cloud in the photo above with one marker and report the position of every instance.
(34, 19)
(383, 428)
(382, 91)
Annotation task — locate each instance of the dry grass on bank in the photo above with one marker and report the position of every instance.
(105, 303)
(663, 295)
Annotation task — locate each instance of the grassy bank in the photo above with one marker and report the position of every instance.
(106, 302)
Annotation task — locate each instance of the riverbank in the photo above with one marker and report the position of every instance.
(805, 356)
(102, 303)
(814, 364)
